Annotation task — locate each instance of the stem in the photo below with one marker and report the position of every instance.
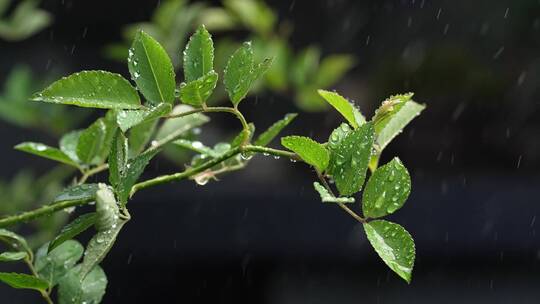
(276, 152)
(44, 294)
(341, 205)
(93, 171)
(39, 212)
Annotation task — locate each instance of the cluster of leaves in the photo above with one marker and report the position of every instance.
(131, 132)
(301, 72)
(25, 20)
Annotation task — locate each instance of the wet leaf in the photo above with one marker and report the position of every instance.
(91, 142)
(309, 150)
(52, 266)
(387, 190)
(68, 144)
(393, 115)
(237, 73)
(72, 290)
(45, 151)
(77, 193)
(71, 230)
(92, 89)
(118, 159)
(196, 92)
(129, 118)
(15, 241)
(350, 158)
(198, 55)
(345, 107)
(151, 68)
(175, 127)
(327, 197)
(394, 245)
(12, 256)
(139, 136)
(23, 281)
(267, 136)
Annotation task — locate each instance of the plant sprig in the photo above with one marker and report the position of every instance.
(108, 144)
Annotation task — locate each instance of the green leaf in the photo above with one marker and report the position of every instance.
(72, 290)
(45, 151)
(196, 92)
(52, 266)
(92, 89)
(394, 245)
(242, 135)
(77, 193)
(386, 190)
(327, 197)
(254, 14)
(334, 141)
(108, 225)
(350, 158)
(198, 55)
(139, 136)
(68, 144)
(91, 142)
(73, 229)
(12, 256)
(152, 69)
(23, 281)
(267, 136)
(237, 74)
(393, 115)
(118, 159)
(130, 118)
(345, 107)
(195, 146)
(174, 127)
(15, 241)
(309, 150)
(333, 68)
(134, 169)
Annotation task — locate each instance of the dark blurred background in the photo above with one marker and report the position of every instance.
(261, 235)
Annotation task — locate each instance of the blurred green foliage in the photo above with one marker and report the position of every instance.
(25, 20)
(293, 72)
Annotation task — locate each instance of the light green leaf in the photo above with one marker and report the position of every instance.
(386, 190)
(27, 19)
(45, 151)
(15, 241)
(92, 89)
(73, 229)
(327, 197)
(332, 69)
(77, 193)
(195, 146)
(350, 158)
(151, 69)
(91, 142)
(72, 290)
(394, 245)
(23, 281)
(393, 115)
(108, 225)
(174, 127)
(139, 136)
(237, 74)
(345, 107)
(198, 55)
(196, 92)
(267, 136)
(254, 14)
(12, 256)
(130, 118)
(334, 140)
(309, 150)
(52, 266)
(68, 144)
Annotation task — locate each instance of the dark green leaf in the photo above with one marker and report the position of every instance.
(72, 290)
(23, 281)
(386, 190)
(394, 245)
(131, 118)
(139, 136)
(267, 136)
(237, 74)
(350, 159)
(345, 107)
(335, 139)
(15, 241)
(309, 150)
(118, 159)
(198, 55)
(52, 266)
(68, 145)
(45, 151)
(92, 89)
(12, 256)
(77, 193)
(134, 169)
(91, 142)
(151, 69)
(196, 92)
(327, 197)
(73, 229)
(393, 115)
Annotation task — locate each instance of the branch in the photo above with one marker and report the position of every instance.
(341, 205)
(39, 212)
